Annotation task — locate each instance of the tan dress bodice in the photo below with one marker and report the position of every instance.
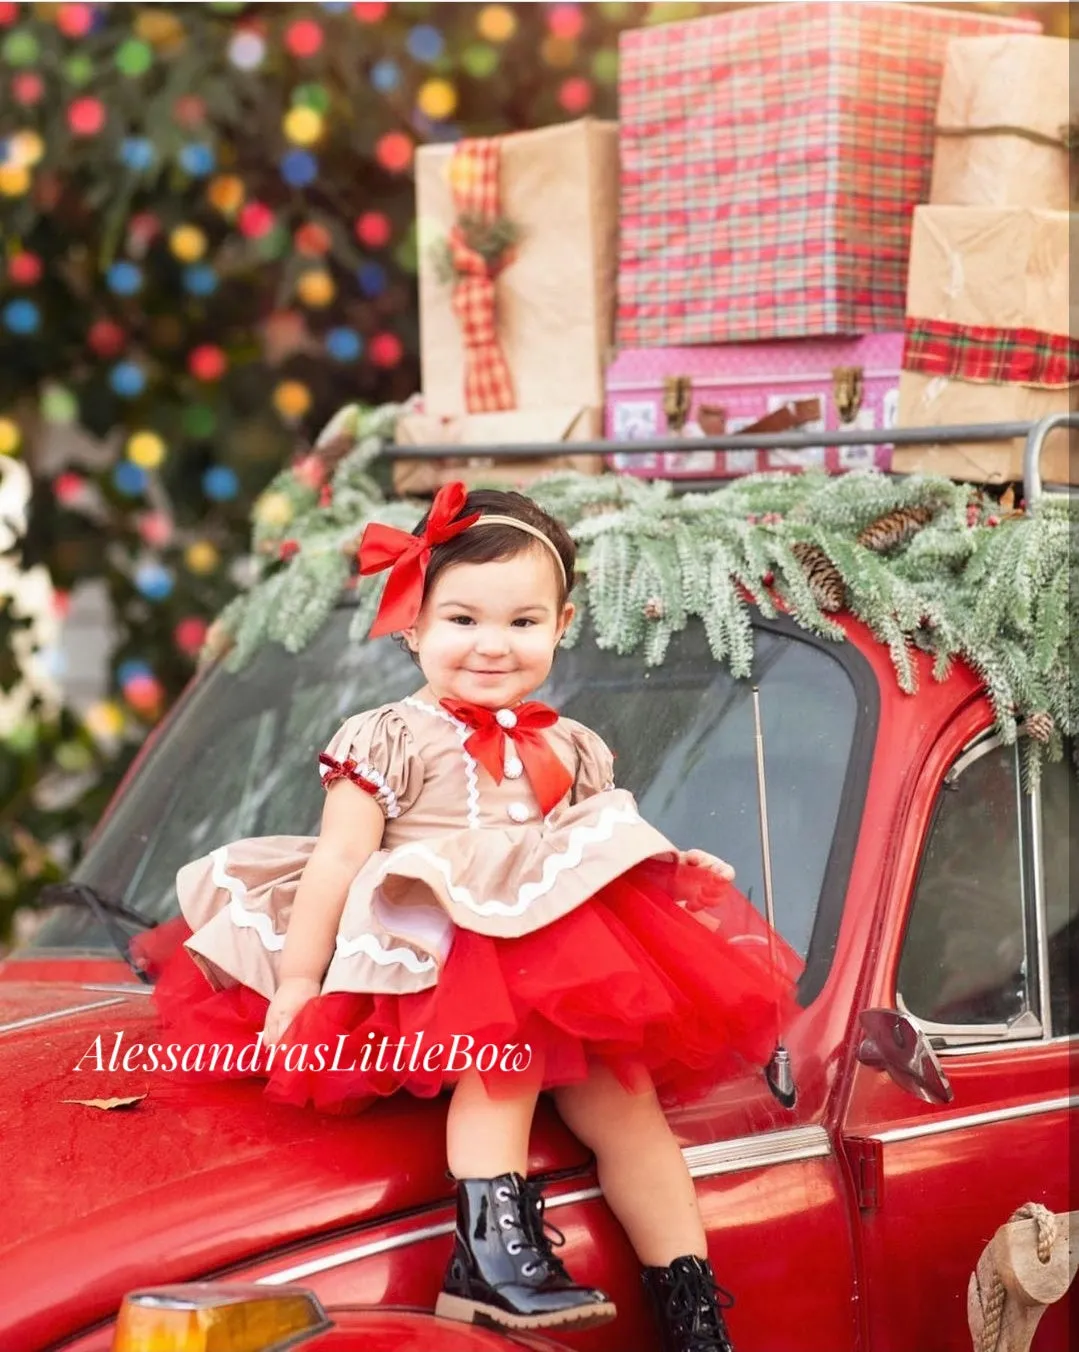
(459, 850)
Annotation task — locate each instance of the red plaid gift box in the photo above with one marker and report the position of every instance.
(771, 158)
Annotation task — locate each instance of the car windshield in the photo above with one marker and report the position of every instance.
(240, 759)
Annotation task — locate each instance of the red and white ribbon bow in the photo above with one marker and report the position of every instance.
(549, 778)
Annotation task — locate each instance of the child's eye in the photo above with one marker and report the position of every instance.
(461, 619)
(524, 620)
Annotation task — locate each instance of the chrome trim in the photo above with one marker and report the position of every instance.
(978, 746)
(358, 1251)
(57, 1014)
(1041, 919)
(938, 1127)
(704, 1161)
(125, 987)
(755, 1152)
(952, 1050)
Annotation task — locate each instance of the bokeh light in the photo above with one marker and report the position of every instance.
(496, 23)
(394, 151)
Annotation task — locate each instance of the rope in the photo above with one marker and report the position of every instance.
(992, 1312)
(1046, 1223)
(992, 1302)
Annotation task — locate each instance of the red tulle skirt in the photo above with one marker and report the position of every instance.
(665, 974)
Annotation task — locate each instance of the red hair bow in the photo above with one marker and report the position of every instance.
(549, 778)
(407, 557)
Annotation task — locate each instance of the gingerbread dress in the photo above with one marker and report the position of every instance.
(489, 913)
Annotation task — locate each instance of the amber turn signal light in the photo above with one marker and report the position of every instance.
(216, 1317)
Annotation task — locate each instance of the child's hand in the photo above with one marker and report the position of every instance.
(701, 859)
(289, 998)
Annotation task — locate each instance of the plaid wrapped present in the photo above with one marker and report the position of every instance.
(531, 327)
(987, 336)
(770, 160)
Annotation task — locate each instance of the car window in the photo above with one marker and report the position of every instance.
(970, 954)
(966, 957)
(240, 758)
(1060, 831)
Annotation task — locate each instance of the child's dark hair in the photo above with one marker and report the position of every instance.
(499, 541)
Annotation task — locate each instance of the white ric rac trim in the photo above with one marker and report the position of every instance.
(385, 957)
(238, 912)
(553, 865)
(385, 796)
(463, 732)
(261, 923)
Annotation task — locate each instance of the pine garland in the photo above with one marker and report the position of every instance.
(924, 562)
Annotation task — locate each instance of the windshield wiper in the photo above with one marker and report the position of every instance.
(105, 910)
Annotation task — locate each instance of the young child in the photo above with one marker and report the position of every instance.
(477, 875)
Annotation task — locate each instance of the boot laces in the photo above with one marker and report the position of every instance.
(698, 1301)
(544, 1234)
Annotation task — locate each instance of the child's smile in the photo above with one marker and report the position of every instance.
(487, 631)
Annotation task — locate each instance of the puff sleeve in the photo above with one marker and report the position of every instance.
(375, 751)
(595, 764)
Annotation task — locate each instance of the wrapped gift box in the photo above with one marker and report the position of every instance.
(554, 297)
(519, 426)
(988, 336)
(803, 386)
(770, 159)
(1001, 124)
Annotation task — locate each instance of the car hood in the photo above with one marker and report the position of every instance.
(187, 1180)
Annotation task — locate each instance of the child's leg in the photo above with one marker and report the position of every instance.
(641, 1169)
(487, 1136)
(503, 1270)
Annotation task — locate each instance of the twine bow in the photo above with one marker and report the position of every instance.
(549, 778)
(474, 183)
(407, 557)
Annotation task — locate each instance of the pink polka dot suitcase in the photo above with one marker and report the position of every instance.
(807, 385)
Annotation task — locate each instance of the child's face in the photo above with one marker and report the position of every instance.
(487, 631)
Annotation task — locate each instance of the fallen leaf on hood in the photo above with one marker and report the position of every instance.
(108, 1103)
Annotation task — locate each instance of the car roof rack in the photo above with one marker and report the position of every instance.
(1034, 434)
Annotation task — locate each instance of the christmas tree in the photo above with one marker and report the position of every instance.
(209, 245)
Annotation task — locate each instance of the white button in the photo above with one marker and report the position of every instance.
(514, 768)
(506, 718)
(518, 812)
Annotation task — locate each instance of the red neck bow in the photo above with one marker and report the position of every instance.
(407, 557)
(523, 724)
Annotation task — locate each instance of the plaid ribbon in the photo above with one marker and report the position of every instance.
(986, 355)
(771, 157)
(474, 184)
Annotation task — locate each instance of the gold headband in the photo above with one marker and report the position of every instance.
(493, 520)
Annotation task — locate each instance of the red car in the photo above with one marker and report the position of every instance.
(927, 894)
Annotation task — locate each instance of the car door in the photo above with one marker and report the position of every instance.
(980, 951)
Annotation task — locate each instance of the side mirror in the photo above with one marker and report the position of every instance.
(894, 1042)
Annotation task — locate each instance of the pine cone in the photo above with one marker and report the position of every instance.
(654, 608)
(824, 578)
(1040, 725)
(894, 528)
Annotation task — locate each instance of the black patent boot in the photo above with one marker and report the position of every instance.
(503, 1273)
(688, 1306)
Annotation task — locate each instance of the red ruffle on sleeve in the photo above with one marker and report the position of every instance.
(346, 769)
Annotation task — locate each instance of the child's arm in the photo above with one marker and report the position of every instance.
(351, 831)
